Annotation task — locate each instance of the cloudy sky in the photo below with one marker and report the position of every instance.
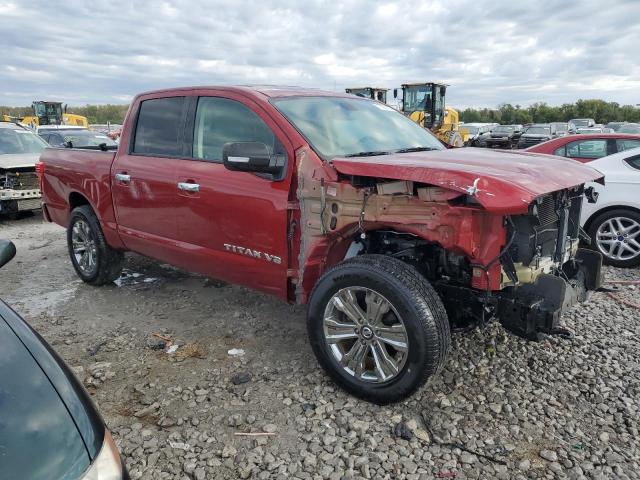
(490, 52)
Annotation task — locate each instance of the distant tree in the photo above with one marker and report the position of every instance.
(540, 112)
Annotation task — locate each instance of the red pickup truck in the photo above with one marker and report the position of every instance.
(338, 202)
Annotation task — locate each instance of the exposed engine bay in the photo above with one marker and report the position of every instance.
(524, 269)
(543, 270)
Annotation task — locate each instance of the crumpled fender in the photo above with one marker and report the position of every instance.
(502, 182)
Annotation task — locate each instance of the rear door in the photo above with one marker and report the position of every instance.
(143, 177)
(233, 225)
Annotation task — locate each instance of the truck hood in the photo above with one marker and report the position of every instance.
(19, 160)
(500, 181)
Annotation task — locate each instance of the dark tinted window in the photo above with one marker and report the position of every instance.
(634, 161)
(158, 127)
(220, 120)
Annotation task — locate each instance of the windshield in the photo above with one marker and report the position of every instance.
(84, 138)
(337, 126)
(417, 98)
(17, 140)
(538, 130)
(580, 122)
(471, 130)
(561, 127)
(503, 129)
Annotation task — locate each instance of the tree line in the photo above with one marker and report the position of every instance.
(601, 111)
(94, 113)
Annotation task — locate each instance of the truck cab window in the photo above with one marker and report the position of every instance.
(220, 120)
(159, 127)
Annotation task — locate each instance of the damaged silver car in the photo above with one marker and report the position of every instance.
(20, 149)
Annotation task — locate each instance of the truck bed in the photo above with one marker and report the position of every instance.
(73, 177)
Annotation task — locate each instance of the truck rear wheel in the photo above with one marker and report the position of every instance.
(377, 327)
(94, 260)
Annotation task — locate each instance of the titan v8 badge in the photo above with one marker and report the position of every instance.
(252, 253)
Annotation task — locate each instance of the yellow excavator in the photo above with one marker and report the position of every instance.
(374, 93)
(424, 103)
(49, 113)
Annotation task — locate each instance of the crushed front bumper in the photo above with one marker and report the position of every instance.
(534, 309)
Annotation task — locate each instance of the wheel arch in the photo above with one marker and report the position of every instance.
(77, 199)
(327, 254)
(609, 208)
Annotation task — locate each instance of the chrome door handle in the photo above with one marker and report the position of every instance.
(189, 187)
(123, 177)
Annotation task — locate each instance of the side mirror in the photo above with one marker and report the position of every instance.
(7, 252)
(251, 157)
(395, 93)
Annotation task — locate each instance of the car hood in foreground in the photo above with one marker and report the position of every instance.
(19, 160)
(38, 437)
(46, 417)
(504, 181)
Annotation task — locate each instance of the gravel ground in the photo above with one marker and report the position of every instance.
(502, 407)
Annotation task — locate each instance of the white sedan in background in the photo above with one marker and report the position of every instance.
(613, 222)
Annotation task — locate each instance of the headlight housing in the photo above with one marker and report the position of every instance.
(107, 465)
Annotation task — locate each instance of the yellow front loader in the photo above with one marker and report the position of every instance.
(424, 103)
(51, 113)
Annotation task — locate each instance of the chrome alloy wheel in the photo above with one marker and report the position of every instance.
(619, 238)
(84, 247)
(365, 334)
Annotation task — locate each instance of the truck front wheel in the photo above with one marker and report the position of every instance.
(94, 260)
(377, 327)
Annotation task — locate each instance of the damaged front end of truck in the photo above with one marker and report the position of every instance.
(19, 190)
(495, 237)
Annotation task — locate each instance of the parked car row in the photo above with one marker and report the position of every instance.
(75, 137)
(492, 135)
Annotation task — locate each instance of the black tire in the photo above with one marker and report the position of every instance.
(108, 262)
(416, 302)
(601, 219)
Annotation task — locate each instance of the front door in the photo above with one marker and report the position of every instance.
(233, 225)
(143, 178)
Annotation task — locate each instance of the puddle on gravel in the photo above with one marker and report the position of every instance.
(47, 302)
(129, 278)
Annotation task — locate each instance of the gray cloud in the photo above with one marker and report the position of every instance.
(489, 52)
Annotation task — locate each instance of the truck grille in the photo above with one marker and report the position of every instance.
(544, 230)
(19, 180)
(528, 141)
(547, 211)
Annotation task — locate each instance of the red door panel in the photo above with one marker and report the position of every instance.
(144, 203)
(235, 227)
